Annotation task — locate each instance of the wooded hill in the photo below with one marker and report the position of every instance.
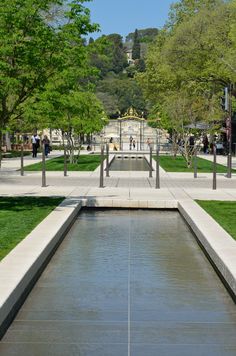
(117, 62)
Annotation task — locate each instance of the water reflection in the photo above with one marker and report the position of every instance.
(178, 304)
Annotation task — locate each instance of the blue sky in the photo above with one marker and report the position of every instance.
(124, 16)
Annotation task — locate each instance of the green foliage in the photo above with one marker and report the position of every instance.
(190, 63)
(146, 35)
(117, 87)
(185, 9)
(124, 91)
(101, 56)
(136, 46)
(119, 59)
(35, 52)
(107, 54)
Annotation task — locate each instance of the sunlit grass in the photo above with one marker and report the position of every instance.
(84, 163)
(19, 216)
(224, 212)
(178, 164)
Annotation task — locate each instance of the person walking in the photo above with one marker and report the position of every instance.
(205, 144)
(134, 144)
(46, 143)
(35, 145)
(130, 142)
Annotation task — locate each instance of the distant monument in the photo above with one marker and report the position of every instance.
(130, 124)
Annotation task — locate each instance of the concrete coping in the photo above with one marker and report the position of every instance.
(22, 266)
(217, 243)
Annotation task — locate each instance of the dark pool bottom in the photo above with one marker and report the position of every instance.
(126, 283)
(129, 163)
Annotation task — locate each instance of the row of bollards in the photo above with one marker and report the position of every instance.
(101, 184)
(44, 184)
(214, 186)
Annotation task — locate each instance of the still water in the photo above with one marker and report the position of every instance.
(126, 283)
(129, 163)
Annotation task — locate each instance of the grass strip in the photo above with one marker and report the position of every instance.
(223, 212)
(19, 216)
(178, 164)
(15, 154)
(85, 163)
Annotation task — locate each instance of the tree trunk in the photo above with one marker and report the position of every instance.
(8, 141)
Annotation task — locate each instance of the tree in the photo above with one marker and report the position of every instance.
(110, 102)
(185, 9)
(68, 103)
(136, 46)
(33, 49)
(188, 66)
(73, 111)
(116, 50)
(91, 40)
(145, 35)
(100, 56)
(124, 91)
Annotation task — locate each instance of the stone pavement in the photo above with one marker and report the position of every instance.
(129, 185)
(126, 190)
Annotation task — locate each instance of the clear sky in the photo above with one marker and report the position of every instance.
(124, 16)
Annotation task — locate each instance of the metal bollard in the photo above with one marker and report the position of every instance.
(43, 166)
(150, 168)
(65, 162)
(229, 165)
(22, 160)
(107, 159)
(157, 169)
(214, 167)
(195, 163)
(101, 167)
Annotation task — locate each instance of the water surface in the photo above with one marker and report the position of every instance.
(129, 163)
(126, 283)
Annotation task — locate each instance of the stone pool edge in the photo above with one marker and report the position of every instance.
(219, 246)
(20, 269)
(22, 266)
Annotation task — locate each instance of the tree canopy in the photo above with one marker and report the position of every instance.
(194, 56)
(136, 49)
(190, 63)
(42, 55)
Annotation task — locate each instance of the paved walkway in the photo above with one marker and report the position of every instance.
(129, 185)
(125, 189)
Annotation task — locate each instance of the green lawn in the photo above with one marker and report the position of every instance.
(171, 164)
(19, 216)
(85, 163)
(223, 212)
(14, 154)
